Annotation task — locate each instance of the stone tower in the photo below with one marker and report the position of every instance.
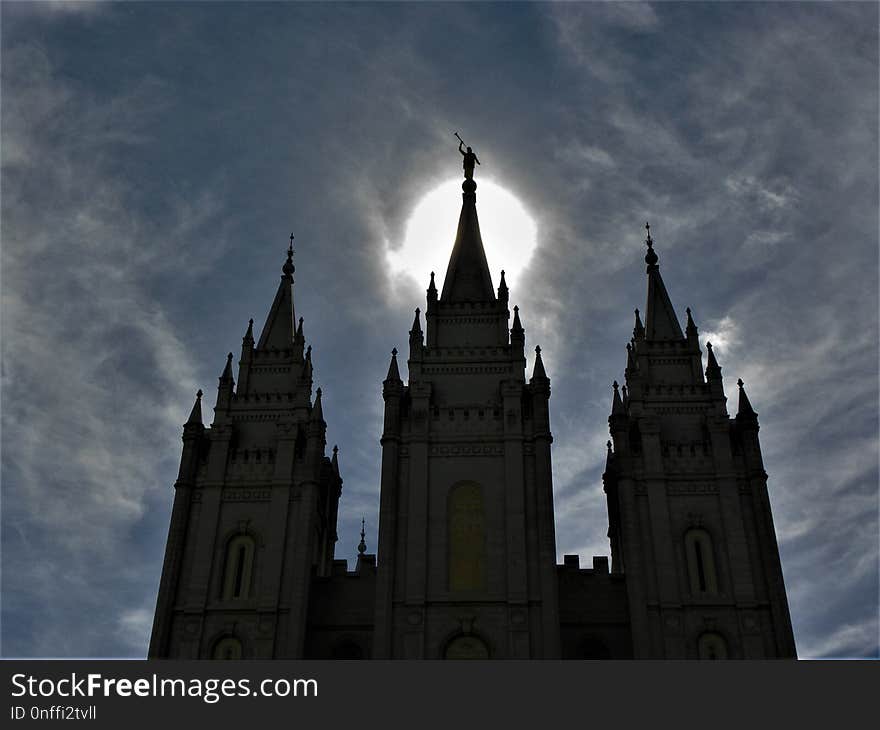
(255, 505)
(689, 515)
(467, 554)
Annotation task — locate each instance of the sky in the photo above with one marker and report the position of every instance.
(156, 157)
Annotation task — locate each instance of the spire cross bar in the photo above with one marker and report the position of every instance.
(290, 248)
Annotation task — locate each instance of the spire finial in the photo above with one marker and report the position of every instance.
(195, 415)
(650, 257)
(539, 372)
(362, 545)
(745, 410)
(691, 329)
(639, 328)
(616, 402)
(288, 267)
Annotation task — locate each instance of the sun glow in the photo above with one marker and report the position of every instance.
(509, 233)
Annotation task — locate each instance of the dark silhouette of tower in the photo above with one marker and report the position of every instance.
(690, 523)
(254, 515)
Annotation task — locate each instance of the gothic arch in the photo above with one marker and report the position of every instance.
(466, 530)
(712, 645)
(466, 646)
(227, 647)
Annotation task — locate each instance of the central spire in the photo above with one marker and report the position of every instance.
(467, 276)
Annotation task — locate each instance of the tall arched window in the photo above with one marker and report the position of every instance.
(227, 648)
(239, 568)
(467, 538)
(712, 646)
(701, 562)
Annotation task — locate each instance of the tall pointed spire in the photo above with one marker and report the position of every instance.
(248, 338)
(660, 320)
(279, 330)
(195, 415)
(744, 409)
(467, 276)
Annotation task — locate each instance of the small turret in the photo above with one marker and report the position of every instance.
(503, 293)
(744, 409)
(225, 387)
(416, 337)
(713, 369)
(691, 329)
(317, 415)
(639, 328)
(538, 373)
(195, 415)
(517, 334)
(393, 371)
(616, 402)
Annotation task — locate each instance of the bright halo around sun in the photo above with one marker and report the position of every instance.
(509, 233)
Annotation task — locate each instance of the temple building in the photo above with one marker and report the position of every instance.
(466, 562)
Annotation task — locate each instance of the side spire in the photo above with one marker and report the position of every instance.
(660, 320)
(503, 291)
(279, 330)
(195, 415)
(317, 408)
(393, 371)
(744, 409)
(713, 369)
(691, 329)
(539, 373)
(517, 328)
(616, 403)
(639, 328)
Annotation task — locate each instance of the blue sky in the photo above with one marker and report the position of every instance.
(155, 157)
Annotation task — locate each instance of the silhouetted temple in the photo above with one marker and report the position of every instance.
(467, 548)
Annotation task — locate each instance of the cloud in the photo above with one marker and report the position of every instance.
(95, 379)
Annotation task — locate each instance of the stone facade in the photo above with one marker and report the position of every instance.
(467, 552)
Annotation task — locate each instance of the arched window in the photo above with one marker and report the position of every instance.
(467, 538)
(700, 562)
(466, 647)
(227, 648)
(239, 568)
(712, 646)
